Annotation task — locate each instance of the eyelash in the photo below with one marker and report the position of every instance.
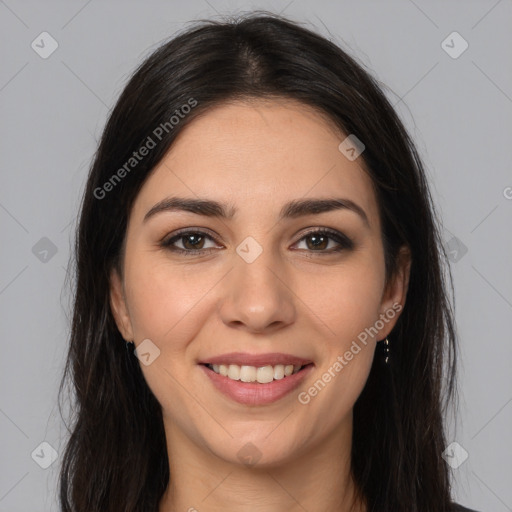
(343, 241)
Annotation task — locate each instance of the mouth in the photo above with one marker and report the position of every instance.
(256, 385)
(256, 374)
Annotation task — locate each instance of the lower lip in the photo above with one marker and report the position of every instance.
(254, 393)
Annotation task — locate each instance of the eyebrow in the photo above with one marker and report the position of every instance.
(291, 210)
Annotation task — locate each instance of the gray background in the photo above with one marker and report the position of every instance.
(52, 113)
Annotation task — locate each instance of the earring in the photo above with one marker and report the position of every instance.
(386, 352)
(130, 345)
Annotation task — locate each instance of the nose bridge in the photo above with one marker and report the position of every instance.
(255, 271)
(256, 294)
(256, 267)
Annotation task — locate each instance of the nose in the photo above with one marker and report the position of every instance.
(257, 296)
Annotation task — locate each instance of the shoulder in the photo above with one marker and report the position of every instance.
(459, 508)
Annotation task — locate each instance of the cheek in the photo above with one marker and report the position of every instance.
(347, 300)
(165, 299)
(348, 308)
(169, 305)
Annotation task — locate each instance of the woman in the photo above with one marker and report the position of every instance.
(258, 228)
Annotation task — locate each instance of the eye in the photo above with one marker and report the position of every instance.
(193, 241)
(320, 240)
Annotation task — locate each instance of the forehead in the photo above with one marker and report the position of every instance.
(258, 155)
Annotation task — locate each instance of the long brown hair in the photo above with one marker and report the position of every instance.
(116, 457)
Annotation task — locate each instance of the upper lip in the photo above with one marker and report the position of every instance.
(245, 359)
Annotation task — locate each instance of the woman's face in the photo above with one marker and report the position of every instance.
(260, 281)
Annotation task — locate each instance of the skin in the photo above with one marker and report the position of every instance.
(294, 298)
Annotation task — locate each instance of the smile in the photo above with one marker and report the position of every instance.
(263, 374)
(252, 391)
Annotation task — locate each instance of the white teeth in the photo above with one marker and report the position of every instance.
(265, 374)
(247, 373)
(262, 375)
(278, 372)
(234, 372)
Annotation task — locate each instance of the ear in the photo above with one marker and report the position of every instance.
(118, 306)
(394, 296)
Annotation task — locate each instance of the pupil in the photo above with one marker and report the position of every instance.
(192, 237)
(317, 239)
